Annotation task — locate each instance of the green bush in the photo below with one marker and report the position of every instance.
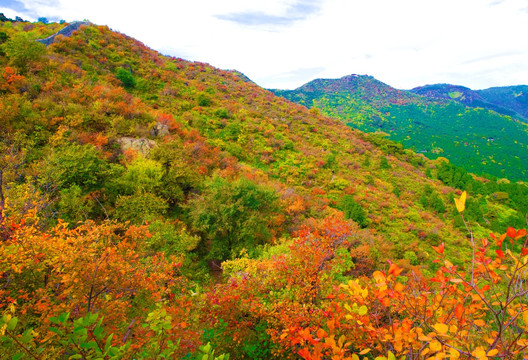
(353, 210)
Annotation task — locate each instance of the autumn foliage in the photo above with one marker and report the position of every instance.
(155, 208)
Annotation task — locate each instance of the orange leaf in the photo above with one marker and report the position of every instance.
(479, 322)
(459, 311)
(395, 269)
(501, 239)
(440, 248)
(520, 233)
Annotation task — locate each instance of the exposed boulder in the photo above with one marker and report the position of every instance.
(141, 145)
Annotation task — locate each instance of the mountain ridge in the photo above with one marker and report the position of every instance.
(436, 124)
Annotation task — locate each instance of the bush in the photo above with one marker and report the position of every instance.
(23, 51)
(126, 78)
(353, 210)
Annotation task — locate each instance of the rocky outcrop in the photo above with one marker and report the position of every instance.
(67, 31)
(160, 130)
(141, 145)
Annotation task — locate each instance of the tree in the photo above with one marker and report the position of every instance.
(75, 165)
(126, 77)
(233, 216)
(23, 51)
(353, 210)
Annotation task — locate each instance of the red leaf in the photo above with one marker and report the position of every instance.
(500, 253)
(520, 233)
(524, 251)
(511, 232)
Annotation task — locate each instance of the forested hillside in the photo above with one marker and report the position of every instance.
(508, 100)
(156, 208)
(476, 138)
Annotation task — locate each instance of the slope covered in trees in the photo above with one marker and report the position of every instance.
(508, 100)
(478, 139)
(153, 207)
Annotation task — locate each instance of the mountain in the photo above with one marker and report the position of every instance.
(511, 101)
(513, 98)
(152, 207)
(480, 140)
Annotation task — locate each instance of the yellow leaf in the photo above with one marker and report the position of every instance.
(522, 342)
(453, 353)
(435, 346)
(364, 351)
(525, 318)
(492, 352)
(442, 329)
(461, 203)
(479, 353)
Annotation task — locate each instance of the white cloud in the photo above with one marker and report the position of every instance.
(283, 44)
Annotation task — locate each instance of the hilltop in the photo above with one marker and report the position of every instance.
(155, 207)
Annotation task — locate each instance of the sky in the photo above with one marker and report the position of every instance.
(283, 44)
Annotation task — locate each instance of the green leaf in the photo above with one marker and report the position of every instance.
(12, 323)
(108, 343)
(98, 332)
(89, 345)
(362, 310)
(63, 317)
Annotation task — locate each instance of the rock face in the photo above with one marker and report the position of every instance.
(67, 31)
(141, 145)
(160, 130)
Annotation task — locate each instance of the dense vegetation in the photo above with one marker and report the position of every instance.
(152, 207)
(506, 100)
(478, 139)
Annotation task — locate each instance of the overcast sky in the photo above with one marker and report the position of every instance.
(286, 43)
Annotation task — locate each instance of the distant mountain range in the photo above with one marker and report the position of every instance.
(483, 131)
(508, 100)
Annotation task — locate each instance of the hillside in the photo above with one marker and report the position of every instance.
(152, 207)
(509, 100)
(478, 139)
(513, 98)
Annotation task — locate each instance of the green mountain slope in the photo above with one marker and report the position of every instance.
(480, 140)
(509, 100)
